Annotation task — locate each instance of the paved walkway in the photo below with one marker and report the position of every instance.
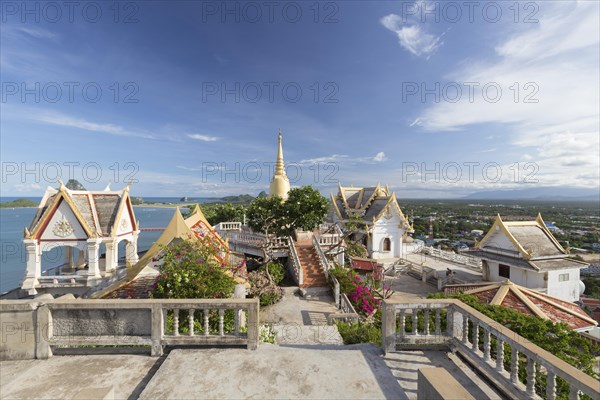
(298, 320)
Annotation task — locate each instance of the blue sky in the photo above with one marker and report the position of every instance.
(188, 119)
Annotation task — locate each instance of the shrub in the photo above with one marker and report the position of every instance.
(276, 270)
(266, 334)
(267, 292)
(360, 333)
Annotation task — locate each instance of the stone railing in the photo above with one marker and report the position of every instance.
(294, 261)
(228, 226)
(490, 347)
(467, 260)
(346, 306)
(255, 239)
(326, 266)
(31, 329)
(63, 279)
(329, 239)
(323, 262)
(280, 242)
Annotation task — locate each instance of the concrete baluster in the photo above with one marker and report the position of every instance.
(486, 345)
(221, 318)
(191, 321)
(475, 340)
(514, 365)
(465, 332)
(500, 356)
(176, 322)
(206, 325)
(530, 376)
(402, 323)
(415, 321)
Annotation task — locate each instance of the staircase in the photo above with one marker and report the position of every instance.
(311, 269)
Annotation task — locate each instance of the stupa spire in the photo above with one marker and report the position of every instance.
(280, 184)
(279, 165)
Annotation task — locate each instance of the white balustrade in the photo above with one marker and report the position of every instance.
(463, 328)
(162, 323)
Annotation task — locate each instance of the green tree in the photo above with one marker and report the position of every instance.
(304, 209)
(267, 215)
(225, 212)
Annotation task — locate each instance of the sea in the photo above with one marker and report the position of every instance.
(14, 220)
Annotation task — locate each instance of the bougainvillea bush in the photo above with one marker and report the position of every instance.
(361, 291)
(190, 271)
(363, 298)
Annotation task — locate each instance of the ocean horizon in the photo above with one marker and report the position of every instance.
(150, 199)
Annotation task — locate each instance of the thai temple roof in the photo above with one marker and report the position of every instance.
(533, 246)
(527, 301)
(368, 202)
(98, 212)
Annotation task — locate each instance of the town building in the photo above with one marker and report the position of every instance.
(376, 211)
(526, 253)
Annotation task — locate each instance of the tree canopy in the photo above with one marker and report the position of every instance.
(304, 209)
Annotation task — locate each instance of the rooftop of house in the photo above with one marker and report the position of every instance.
(527, 301)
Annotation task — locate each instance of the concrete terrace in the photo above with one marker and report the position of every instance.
(272, 371)
(308, 362)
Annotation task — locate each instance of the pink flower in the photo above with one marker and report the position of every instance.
(199, 261)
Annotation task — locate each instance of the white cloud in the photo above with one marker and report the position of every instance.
(413, 35)
(54, 118)
(554, 62)
(27, 187)
(379, 157)
(334, 158)
(203, 138)
(345, 159)
(37, 33)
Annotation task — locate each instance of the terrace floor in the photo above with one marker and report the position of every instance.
(272, 371)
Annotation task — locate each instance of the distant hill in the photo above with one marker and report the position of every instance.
(18, 203)
(538, 193)
(242, 198)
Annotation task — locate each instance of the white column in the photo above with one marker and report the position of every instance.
(131, 254)
(34, 266)
(400, 249)
(93, 247)
(112, 255)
